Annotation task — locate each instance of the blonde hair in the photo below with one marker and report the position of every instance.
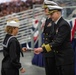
(9, 29)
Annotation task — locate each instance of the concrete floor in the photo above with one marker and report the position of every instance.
(26, 62)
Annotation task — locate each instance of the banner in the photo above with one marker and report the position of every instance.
(72, 23)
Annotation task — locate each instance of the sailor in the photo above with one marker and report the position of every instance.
(11, 50)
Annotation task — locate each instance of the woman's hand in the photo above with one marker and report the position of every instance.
(22, 70)
(24, 49)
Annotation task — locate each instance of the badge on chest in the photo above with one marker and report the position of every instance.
(56, 30)
(49, 25)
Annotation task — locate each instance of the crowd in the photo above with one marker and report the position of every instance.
(15, 7)
(21, 5)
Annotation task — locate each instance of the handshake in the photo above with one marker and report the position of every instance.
(24, 49)
(36, 50)
(44, 48)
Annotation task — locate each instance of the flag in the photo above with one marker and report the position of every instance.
(73, 27)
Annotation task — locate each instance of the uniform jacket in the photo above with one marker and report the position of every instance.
(11, 52)
(64, 53)
(48, 34)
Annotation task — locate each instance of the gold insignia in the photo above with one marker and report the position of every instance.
(56, 30)
(49, 25)
(43, 45)
(48, 47)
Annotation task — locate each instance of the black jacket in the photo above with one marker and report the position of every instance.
(48, 34)
(64, 53)
(11, 52)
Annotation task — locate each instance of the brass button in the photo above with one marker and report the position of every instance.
(52, 40)
(46, 34)
(56, 51)
(46, 38)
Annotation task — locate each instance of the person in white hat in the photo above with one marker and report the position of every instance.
(11, 50)
(61, 45)
(48, 34)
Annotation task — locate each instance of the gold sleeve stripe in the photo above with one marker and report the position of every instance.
(52, 11)
(43, 45)
(47, 47)
(44, 6)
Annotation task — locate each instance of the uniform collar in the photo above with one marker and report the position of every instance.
(57, 20)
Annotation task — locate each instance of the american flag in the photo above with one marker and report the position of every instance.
(72, 23)
(35, 25)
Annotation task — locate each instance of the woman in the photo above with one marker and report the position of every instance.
(11, 50)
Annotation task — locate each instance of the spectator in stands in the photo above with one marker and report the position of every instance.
(16, 6)
(11, 50)
(1, 14)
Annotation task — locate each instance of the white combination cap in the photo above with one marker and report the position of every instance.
(51, 5)
(47, 2)
(56, 7)
(13, 23)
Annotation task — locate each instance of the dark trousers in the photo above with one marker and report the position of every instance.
(50, 67)
(9, 72)
(66, 70)
(74, 48)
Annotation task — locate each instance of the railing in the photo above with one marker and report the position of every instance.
(68, 12)
(26, 34)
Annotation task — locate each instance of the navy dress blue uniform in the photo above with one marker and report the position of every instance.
(61, 45)
(11, 51)
(74, 48)
(49, 59)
